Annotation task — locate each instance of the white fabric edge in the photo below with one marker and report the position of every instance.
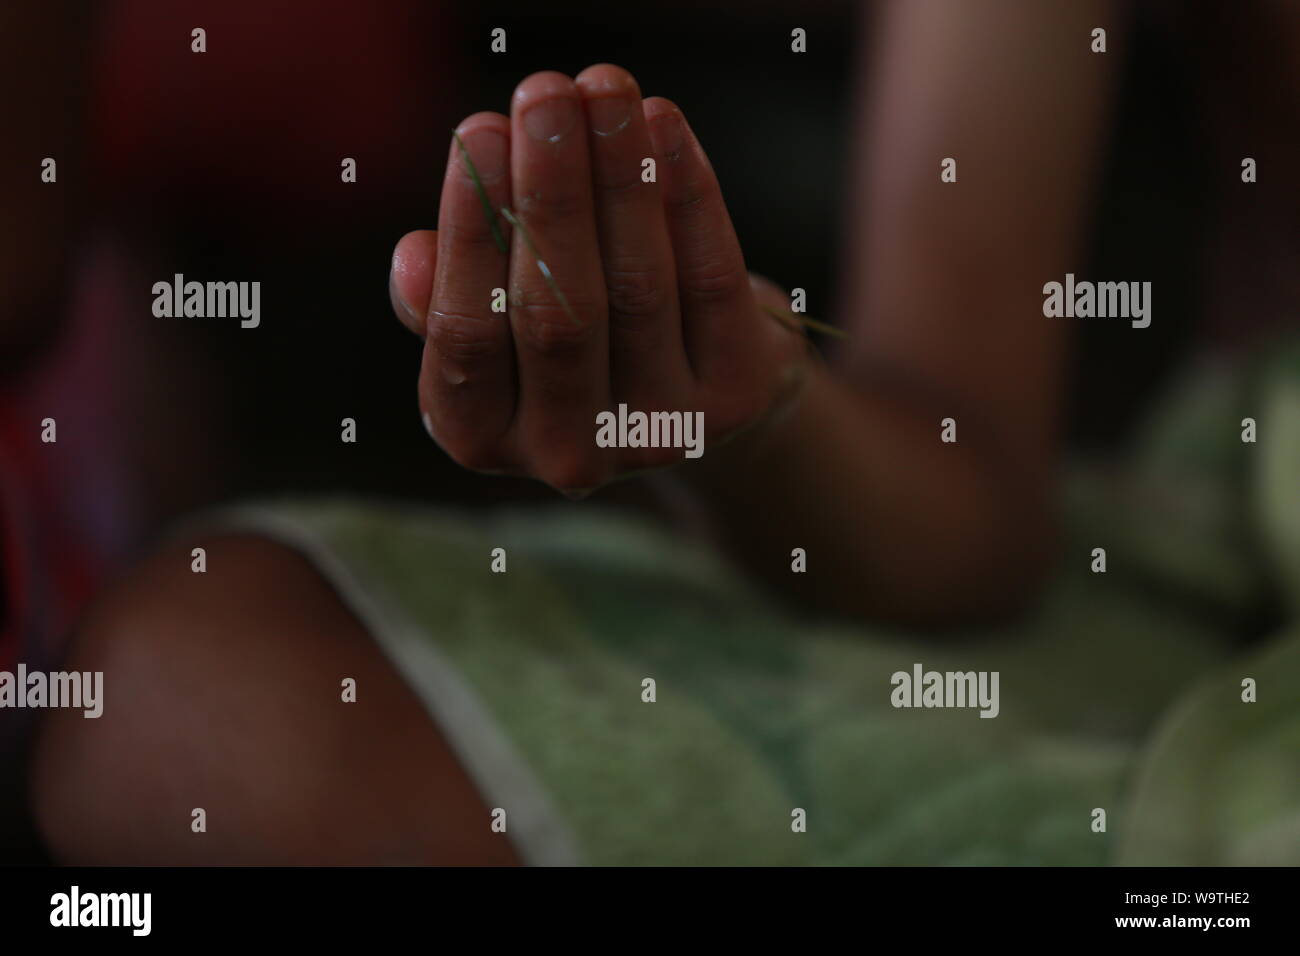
(536, 830)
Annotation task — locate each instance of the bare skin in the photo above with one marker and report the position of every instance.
(223, 691)
(944, 321)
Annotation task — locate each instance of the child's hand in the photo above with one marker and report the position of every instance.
(656, 310)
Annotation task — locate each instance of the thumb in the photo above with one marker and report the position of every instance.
(410, 278)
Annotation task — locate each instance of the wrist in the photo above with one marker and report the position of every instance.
(776, 433)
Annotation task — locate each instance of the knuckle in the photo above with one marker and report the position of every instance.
(541, 206)
(461, 338)
(471, 233)
(617, 189)
(546, 326)
(694, 194)
(635, 290)
(715, 280)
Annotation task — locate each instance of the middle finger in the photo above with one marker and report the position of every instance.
(561, 338)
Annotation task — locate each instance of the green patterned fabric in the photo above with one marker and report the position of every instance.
(1122, 690)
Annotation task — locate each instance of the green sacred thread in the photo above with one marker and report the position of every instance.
(790, 320)
(497, 237)
(542, 267)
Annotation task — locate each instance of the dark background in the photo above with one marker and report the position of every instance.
(268, 401)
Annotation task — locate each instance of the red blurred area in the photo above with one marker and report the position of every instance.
(263, 119)
(245, 141)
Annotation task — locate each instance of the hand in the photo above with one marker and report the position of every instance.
(651, 306)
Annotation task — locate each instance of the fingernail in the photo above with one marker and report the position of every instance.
(549, 120)
(609, 114)
(428, 425)
(394, 293)
(488, 151)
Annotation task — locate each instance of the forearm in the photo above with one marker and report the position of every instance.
(897, 524)
(942, 307)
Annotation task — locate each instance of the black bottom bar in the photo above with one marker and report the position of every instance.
(439, 905)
